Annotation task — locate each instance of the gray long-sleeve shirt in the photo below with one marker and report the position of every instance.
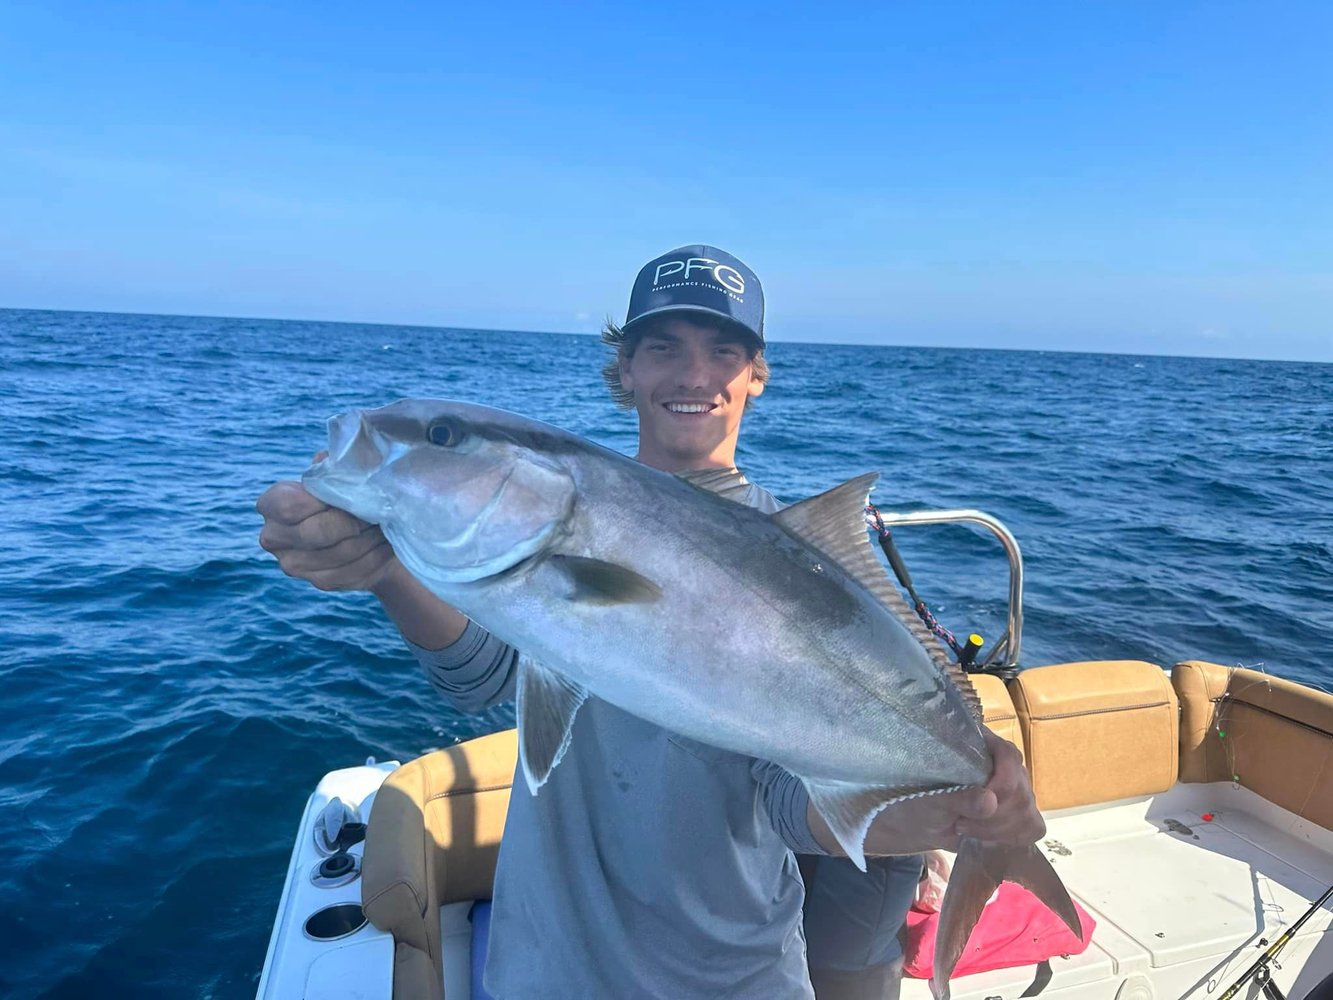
(649, 866)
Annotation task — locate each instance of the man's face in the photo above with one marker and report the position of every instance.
(690, 386)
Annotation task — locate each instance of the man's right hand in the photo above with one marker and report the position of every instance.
(326, 546)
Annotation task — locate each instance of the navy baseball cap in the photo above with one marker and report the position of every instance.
(699, 279)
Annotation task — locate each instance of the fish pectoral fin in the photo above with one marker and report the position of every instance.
(595, 581)
(848, 808)
(546, 705)
(977, 873)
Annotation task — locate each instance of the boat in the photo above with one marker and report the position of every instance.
(1189, 811)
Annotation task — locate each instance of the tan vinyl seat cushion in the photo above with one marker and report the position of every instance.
(414, 975)
(458, 797)
(1278, 738)
(998, 712)
(1097, 731)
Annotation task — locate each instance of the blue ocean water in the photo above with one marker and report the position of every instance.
(171, 698)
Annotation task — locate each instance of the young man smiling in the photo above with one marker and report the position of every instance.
(650, 865)
(691, 383)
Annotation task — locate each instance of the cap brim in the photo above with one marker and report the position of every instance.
(718, 313)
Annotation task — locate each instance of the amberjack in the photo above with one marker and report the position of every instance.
(766, 635)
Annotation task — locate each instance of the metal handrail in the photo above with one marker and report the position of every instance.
(1009, 644)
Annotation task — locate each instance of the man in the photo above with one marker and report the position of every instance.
(650, 865)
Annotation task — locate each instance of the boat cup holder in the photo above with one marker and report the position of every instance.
(335, 870)
(333, 922)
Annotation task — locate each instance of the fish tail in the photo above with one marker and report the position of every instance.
(977, 873)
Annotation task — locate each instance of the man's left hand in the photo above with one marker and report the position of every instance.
(1006, 811)
(1002, 811)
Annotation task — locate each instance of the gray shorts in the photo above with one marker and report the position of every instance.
(852, 918)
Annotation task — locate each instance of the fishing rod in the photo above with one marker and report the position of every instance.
(965, 651)
(1260, 970)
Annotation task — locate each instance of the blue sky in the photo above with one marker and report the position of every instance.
(1140, 177)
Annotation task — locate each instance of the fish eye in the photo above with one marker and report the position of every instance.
(444, 433)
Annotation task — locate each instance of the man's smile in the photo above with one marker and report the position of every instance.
(690, 407)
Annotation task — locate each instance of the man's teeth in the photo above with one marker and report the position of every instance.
(689, 407)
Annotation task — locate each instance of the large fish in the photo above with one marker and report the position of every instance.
(764, 635)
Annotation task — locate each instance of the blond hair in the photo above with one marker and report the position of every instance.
(624, 345)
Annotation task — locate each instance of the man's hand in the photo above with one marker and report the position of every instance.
(1006, 811)
(1003, 811)
(336, 551)
(326, 546)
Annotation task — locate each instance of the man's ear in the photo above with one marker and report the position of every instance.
(626, 379)
(756, 386)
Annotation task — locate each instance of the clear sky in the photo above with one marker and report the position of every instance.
(1141, 177)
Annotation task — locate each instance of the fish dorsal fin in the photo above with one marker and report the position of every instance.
(546, 705)
(729, 484)
(848, 808)
(835, 523)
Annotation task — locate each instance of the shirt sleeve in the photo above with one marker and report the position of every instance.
(474, 672)
(786, 802)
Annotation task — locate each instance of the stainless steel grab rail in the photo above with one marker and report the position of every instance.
(1005, 652)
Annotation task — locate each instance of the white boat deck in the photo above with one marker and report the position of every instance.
(1181, 903)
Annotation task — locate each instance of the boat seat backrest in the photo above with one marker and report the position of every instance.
(1097, 731)
(433, 838)
(1265, 733)
(998, 712)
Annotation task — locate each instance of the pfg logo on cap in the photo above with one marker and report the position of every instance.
(731, 280)
(699, 279)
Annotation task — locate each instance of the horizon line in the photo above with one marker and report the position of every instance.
(575, 333)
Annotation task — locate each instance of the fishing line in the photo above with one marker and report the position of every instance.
(1261, 970)
(965, 651)
(1221, 718)
(1222, 726)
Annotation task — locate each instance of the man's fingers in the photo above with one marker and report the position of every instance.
(1019, 829)
(323, 530)
(1010, 813)
(362, 574)
(288, 503)
(330, 527)
(304, 562)
(1002, 752)
(977, 804)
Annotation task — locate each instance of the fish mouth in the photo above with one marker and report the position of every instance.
(352, 441)
(352, 456)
